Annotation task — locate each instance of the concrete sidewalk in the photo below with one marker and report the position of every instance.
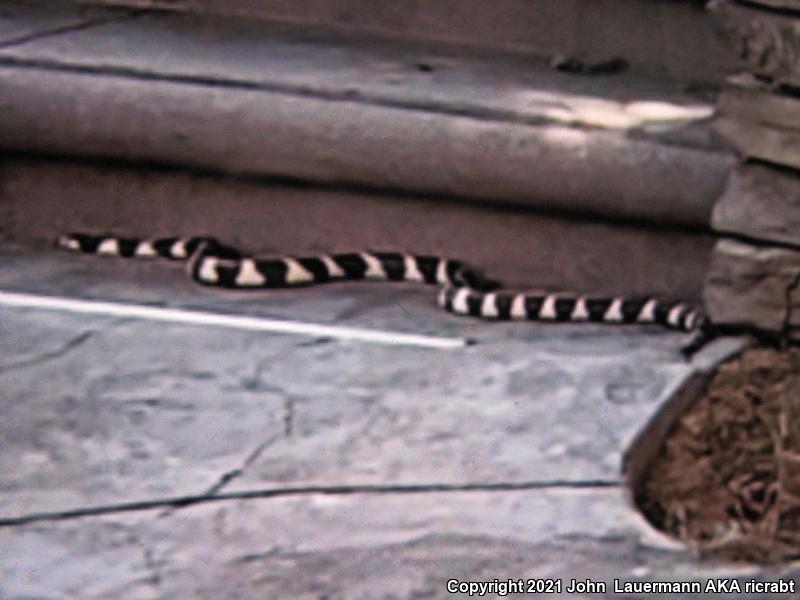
(312, 468)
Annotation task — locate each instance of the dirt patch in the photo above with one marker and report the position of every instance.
(727, 480)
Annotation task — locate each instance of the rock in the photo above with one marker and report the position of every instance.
(754, 140)
(749, 285)
(760, 123)
(759, 105)
(768, 41)
(761, 202)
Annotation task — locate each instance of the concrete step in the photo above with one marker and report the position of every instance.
(41, 199)
(661, 37)
(305, 104)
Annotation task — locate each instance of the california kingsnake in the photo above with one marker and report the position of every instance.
(464, 291)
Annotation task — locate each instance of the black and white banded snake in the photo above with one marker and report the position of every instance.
(464, 291)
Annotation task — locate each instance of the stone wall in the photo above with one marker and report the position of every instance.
(754, 278)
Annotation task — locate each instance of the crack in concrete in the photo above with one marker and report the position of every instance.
(253, 384)
(224, 480)
(288, 416)
(341, 490)
(315, 342)
(231, 475)
(154, 578)
(151, 565)
(63, 29)
(65, 349)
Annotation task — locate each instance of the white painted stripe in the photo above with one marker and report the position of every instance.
(208, 269)
(548, 310)
(248, 275)
(580, 312)
(460, 305)
(173, 315)
(614, 312)
(489, 306)
(674, 317)
(178, 249)
(412, 270)
(374, 267)
(648, 312)
(518, 307)
(69, 243)
(109, 247)
(145, 249)
(334, 270)
(297, 273)
(441, 272)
